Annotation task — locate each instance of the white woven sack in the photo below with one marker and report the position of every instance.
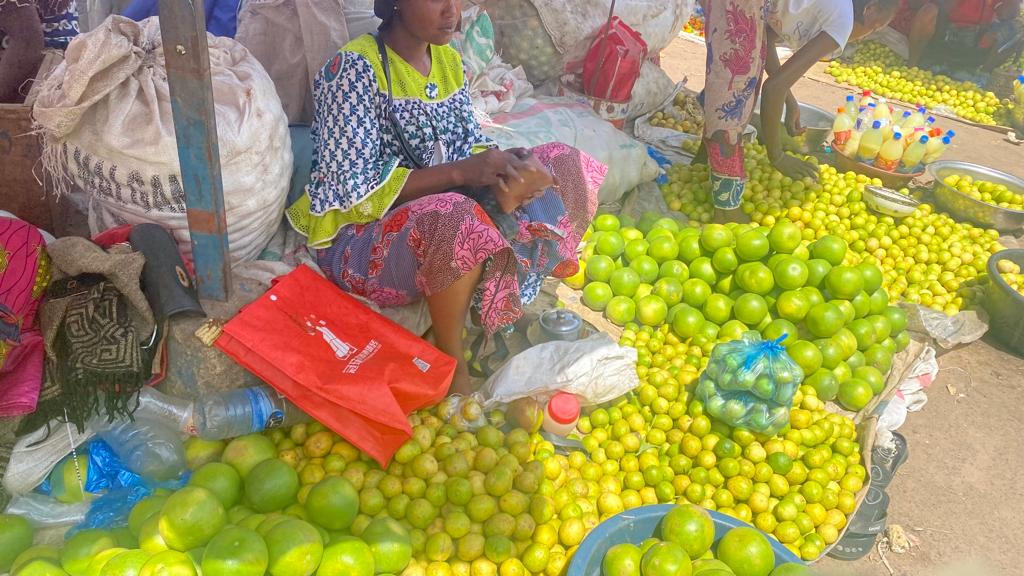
(549, 119)
(105, 117)
(551, 37)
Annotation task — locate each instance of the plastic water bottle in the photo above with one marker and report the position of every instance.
(238, 412)
(169, 410)
(147, 447)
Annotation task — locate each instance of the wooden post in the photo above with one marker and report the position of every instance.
(183, 29)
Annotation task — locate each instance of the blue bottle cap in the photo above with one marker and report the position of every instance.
(931, 119)
(877, 124)
(897, 135)
(1020, 78)
(950, 133)
(945, 140)
(922, 109)
(924, 139)
(906, 114)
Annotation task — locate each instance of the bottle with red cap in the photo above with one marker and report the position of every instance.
(561, 414)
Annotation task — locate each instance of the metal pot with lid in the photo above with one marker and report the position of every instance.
(560, 324)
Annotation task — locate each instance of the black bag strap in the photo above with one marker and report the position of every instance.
(382, 50)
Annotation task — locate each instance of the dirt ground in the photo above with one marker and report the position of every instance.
(958, 496)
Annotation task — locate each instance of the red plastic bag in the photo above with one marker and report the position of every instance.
(352, 369)
(612, 65)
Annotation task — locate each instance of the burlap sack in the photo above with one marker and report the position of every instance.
(107, 127)
(293, 39)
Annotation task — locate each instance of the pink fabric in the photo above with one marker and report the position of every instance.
(737, 48)
(21, 359)
(21, 376)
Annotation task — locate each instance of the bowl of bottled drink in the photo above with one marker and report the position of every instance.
(872, 138)
(897, 180)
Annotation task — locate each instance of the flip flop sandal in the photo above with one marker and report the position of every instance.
(884, 463)
(484, 366)
(867, 523)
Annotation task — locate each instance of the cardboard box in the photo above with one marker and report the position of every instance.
(21, 171)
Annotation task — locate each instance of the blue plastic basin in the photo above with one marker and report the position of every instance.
(635, 526)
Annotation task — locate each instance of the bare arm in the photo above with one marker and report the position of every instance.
(514, 176)
(771, 66)
(774, 93)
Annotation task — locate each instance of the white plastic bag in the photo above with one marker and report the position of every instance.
(43, 511)
(548, 119)
(948, 332)
(595, 369)
(494, 86)
(106, 122)
(911, 396)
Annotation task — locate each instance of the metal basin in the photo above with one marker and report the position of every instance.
(818, 123)
(1005, 305)
(964, 207)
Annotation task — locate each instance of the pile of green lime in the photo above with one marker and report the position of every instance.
(716, 283)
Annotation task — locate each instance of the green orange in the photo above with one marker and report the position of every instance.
(236, 552)
(16, 536)
(747, 552)
(691, 527)
(190, 518)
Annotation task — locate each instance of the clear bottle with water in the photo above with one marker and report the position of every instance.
(244, 411)
(170, 410)
(150, 448)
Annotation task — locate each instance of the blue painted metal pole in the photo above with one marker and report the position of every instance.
(183, 29)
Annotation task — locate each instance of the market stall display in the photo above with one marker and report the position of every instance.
(730, 429)
(877, 68)
(925, 258)
(978, 194)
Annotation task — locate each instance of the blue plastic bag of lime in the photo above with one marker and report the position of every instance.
(750, 383)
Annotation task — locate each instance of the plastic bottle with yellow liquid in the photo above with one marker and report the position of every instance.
(870, 143)
(913, 155)
(841, 128)
(853, 142)
(935, 148)
(889, 155)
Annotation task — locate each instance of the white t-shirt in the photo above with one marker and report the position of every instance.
(796, 22)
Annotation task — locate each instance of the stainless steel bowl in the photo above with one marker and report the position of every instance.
(964, 207)
(818, 123)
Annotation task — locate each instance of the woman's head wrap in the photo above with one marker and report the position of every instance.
(385, 10)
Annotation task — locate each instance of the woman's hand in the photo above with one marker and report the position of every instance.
(793, 126)
(795, 168)
(535, 180)
(490, 168)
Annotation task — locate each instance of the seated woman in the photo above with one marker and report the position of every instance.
(392, 221)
